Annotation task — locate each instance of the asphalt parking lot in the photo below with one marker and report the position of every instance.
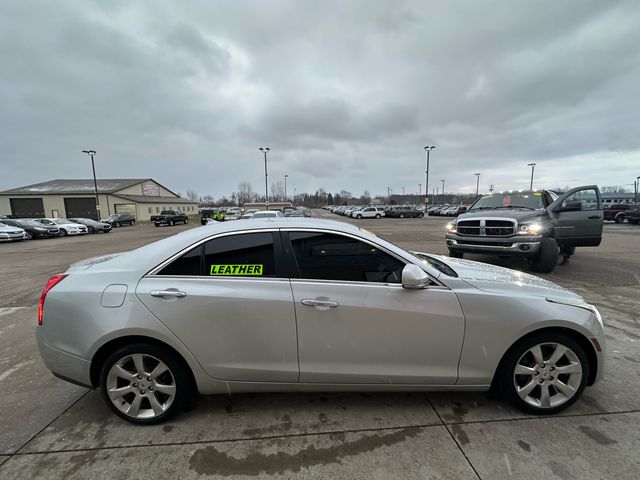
(51, 429)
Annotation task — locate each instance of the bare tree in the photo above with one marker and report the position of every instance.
(192, 195)
(277, 191)
(245, 193)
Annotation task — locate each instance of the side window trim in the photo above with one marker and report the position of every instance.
(295, 272)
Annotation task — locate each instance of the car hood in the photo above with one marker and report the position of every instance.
(9, 228)
(491, 278)
(520, 214)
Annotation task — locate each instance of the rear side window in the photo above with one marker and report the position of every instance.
(243, 255)
(325, 256)
(246, 255)
(187, 264)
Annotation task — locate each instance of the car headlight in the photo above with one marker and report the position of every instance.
(586, 306)
(451, 227)
(530, 229)
(40, 229)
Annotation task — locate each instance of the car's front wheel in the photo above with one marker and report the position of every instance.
(547, 258)
(144, 383)
(63, 232)
(544, 373)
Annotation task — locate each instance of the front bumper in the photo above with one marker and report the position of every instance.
(11, 237)
(513, 245)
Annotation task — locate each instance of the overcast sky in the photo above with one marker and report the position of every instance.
(346, 93)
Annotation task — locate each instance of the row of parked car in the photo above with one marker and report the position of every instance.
(239, 213)
(16, 229)
(447, 210)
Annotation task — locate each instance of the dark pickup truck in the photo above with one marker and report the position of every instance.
(633, 214)
(537, 225)
(616, 212)
(169, 217)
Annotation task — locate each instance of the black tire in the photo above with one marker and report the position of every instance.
(132, 223)
(420, 215)
(456, 253)
(28, 235)
(186, 220)
(401, 215)
(547, 258)
(505, 378)
(63, 232)
(176, 367)
(378, 215)
(117, 225)
(171, 223)
(619, 218)
(157, 224)
(359, 217)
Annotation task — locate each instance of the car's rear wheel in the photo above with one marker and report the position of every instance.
(378, 215)
(401, 215)
(91, 230)
(157, 224)
(186, 220)
(619, 218)
(144, 383)
(544, 373)
(420, 215)
(359, 217)
(547, 258)
(117, 224)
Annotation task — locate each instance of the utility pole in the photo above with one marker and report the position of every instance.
(637, 189)
(533, 167)
(492, 188)
(477, 183)
(442, 191)
(419, 190)
(266, 184)
(403, 191)
(91, 153)
(427, 149)
(285, 187)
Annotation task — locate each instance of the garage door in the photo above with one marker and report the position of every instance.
(81, 208)
(27, 207)
(126, 208)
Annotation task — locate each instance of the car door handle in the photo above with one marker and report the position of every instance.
(594, 217)
(167, 293)
(319, 303)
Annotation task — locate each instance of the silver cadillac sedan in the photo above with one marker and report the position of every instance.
(310, 305)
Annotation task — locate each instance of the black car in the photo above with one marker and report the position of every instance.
(632, 215)
(93, 226)
(32, 228)
(403, 211)
(120, 219)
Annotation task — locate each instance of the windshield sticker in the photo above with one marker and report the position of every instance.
(237, 270)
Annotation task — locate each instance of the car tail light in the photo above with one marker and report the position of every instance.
(52, 282)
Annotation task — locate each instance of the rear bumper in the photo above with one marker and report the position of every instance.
(64, 365)
(524, 245)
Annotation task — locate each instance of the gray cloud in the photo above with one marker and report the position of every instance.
(345, 93)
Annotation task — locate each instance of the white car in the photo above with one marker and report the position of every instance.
(11, 234)
(368, 212)
(268, 214)
(67, 227)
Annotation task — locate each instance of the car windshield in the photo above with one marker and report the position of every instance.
(526, 200)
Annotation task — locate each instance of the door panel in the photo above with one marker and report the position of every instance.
(582, 227)
(238, 328)
(378, 333)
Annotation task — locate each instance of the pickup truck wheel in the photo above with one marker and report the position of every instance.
(547, 258)
(171, 223)
(456, 254)
(619, 218)
(117, 224)
(420, 215)
(186, 220)
(157, 224)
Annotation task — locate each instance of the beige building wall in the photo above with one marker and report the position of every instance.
(139, 189)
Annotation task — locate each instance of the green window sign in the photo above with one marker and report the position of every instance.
(243, 270)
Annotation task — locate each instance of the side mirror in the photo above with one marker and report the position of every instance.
(570, 207)
(413, 277)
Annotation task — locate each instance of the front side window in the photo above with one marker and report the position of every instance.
(588, 198)
(326, 256)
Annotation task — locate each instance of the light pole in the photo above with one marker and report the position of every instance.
(403, 191)
(442, 191)
(266, 188)
(419, 190)
(285, 187)
(635, 197)
(533, 167)
(477, 182)
(294, 194)
(91, 153)
(427, 149)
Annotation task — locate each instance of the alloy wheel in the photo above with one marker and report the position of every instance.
(547, 375)
(141, 386)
